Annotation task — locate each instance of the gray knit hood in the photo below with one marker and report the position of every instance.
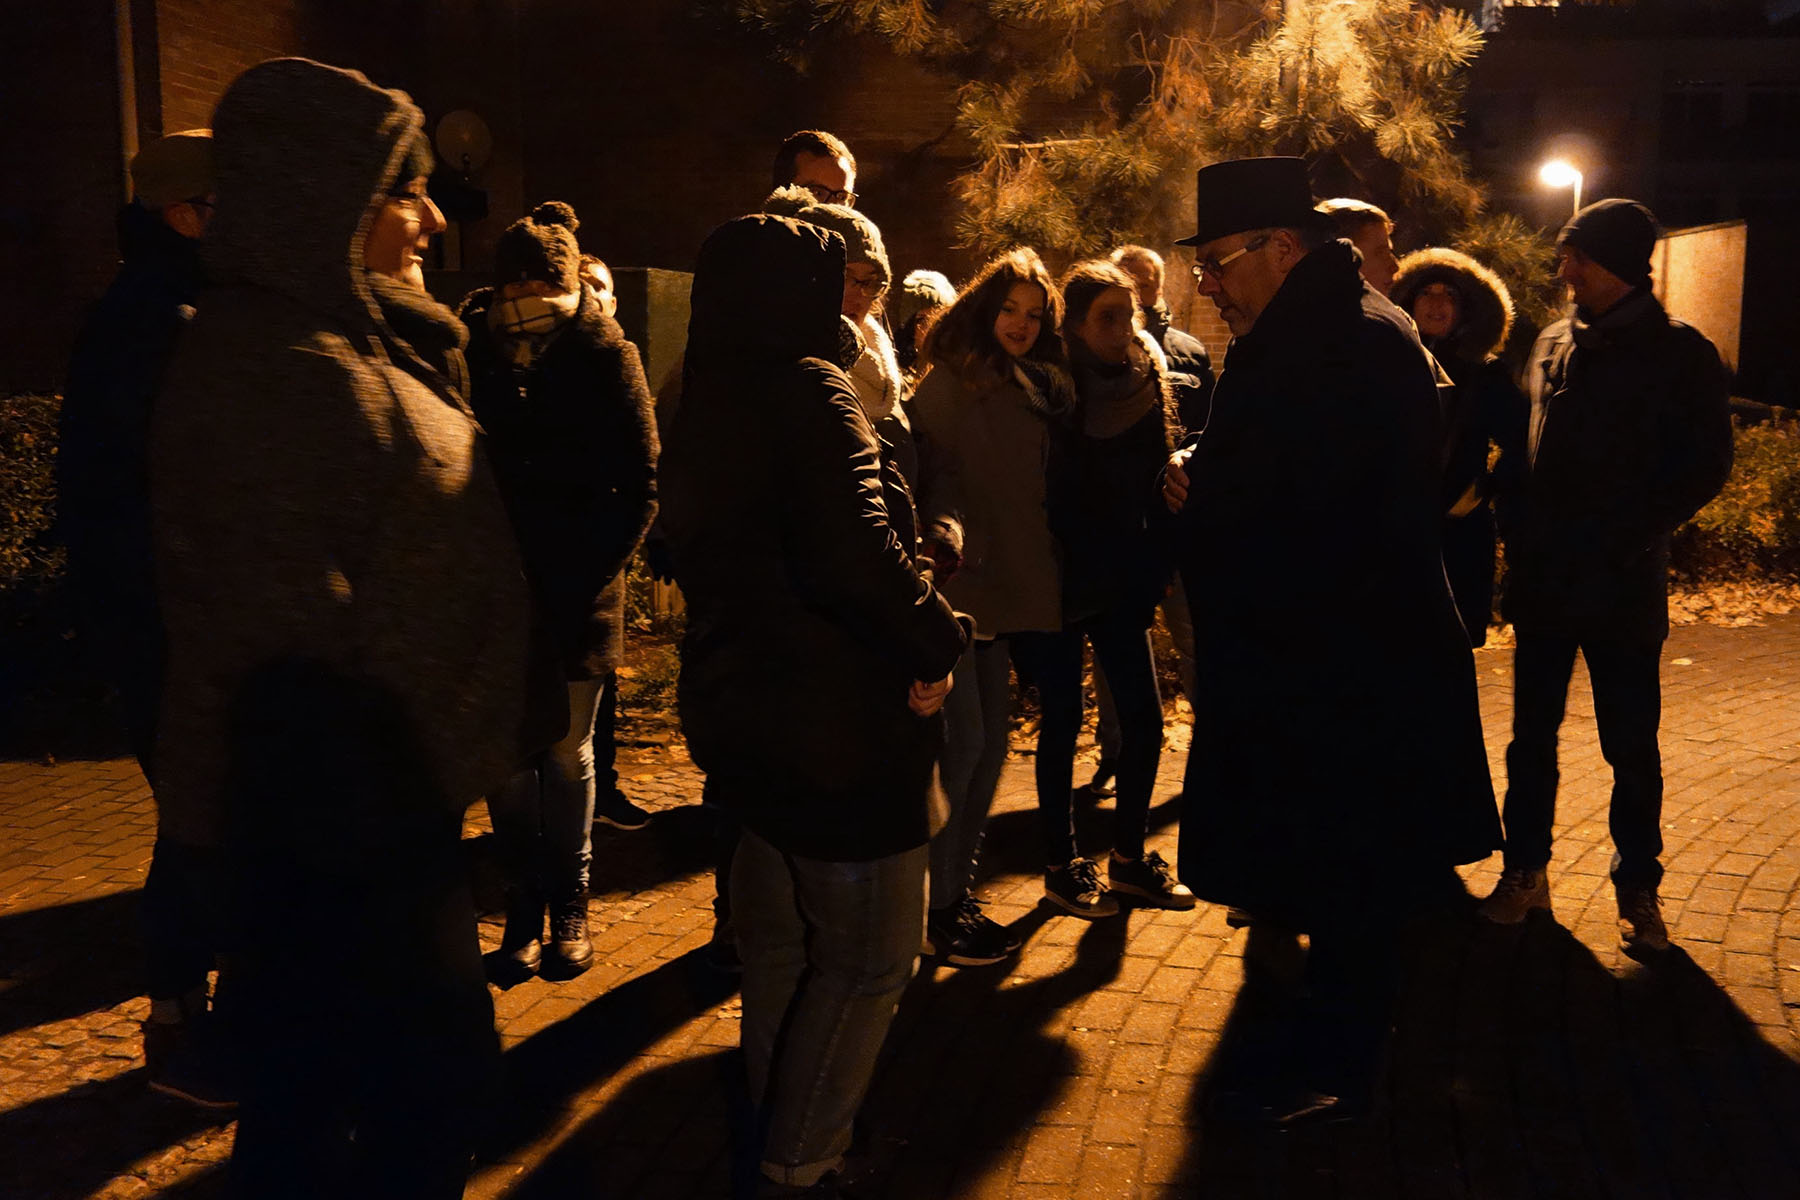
(302, 153)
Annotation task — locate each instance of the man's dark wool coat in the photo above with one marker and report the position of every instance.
(1337, 754)
(808, 621)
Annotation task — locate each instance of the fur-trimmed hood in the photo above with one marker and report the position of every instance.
(1485, 305)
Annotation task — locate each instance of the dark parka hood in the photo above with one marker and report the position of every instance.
(1485, 307)
(303, 151)
(766, 289)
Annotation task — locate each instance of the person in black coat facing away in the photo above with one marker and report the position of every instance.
(103, 518)
(814, 664)
(1464, 314)
(1337, 769)
(1628, 435)
(572, 435)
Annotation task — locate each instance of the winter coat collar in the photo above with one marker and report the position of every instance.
(1322, 290)
(1640, 308)
(147, 243)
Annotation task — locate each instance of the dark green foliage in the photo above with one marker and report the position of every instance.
(27, 489)
(1752, 527)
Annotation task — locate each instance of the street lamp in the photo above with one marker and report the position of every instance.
(1561, 173)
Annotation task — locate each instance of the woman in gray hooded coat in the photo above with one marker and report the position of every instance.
(351, 653)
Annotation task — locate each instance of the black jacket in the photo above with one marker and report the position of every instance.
(573, 442)
(1190, 369)
(807, 619)
(1337, 752)
(1103, 477)
(1629, 435)
(102, 464)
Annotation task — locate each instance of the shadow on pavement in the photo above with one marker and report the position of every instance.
(69, 1144)
(1521, 1066)
(69, 959)
(546, 1072)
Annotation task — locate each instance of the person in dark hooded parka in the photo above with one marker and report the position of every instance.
(350, 635)
(1464, 314)
(814, 664)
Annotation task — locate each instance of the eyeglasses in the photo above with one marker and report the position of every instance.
(1216, 266)
(869, 287)
(413, 202)
(826, 195)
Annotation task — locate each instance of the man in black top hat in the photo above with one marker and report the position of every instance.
(1337, 769)
(1629, 433)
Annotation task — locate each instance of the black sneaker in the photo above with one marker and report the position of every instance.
(963, 936)
(618, 811)
(1076, 888)
(1150, 880)
(570, 948)
(187, 1059)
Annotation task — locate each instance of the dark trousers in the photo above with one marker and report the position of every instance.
(1627, 709)
(183, 914)
(1051, 662)
(367, 1028)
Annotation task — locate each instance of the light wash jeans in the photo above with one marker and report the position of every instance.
(975, 742)
(544, 814)
(827, 947)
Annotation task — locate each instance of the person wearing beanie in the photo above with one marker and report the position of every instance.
(1628, 434)
(880, 385)
(103, 520)
(561, 393)
(912, 307)
(1464, 313)
(352, 646)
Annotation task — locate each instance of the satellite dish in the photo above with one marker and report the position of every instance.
(463, 141)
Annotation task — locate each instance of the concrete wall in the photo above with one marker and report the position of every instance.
(1699, 276)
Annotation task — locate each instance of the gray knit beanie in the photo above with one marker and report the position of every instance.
(862, 240)
(1618, 234)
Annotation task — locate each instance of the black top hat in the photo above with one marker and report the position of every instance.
(1252, 193)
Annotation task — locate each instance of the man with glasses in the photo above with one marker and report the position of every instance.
(104, 519)
(1337, 769)
(820, 163)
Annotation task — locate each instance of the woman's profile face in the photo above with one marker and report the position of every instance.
(1435, 310)
(1108, 326)
(1021, 319)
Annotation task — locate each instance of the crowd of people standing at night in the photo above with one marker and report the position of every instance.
(356, 561)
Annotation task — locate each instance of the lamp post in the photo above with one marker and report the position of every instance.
(1561, 173)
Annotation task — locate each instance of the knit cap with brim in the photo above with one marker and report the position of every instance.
(919, 292)
(173, 168)
(1620, 235)
(862, 240)
(541, 246)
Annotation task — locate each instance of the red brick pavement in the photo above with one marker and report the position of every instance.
(1533, 1062)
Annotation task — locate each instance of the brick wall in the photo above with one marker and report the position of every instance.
(62, 186)
(204, 44)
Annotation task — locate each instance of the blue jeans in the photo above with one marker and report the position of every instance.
(544, 814)
(975, 743)
(827, 947)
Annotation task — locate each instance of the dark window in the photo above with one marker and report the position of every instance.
(1772, 120)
